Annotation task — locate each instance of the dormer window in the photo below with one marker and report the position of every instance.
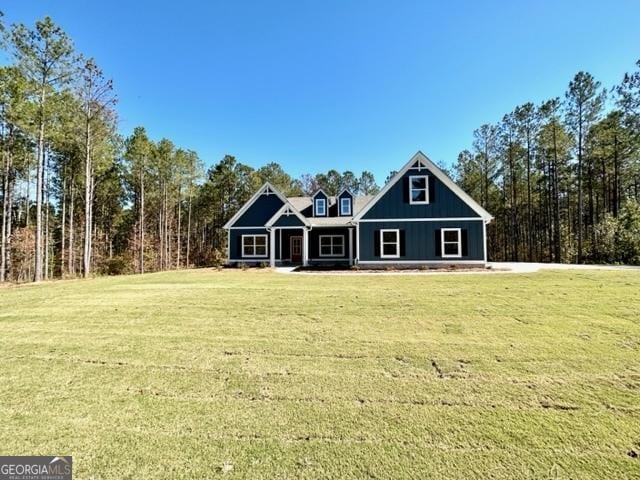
(418, 189)
(345, 206)
(320, 207)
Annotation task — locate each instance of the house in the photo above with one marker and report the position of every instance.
(419, 217)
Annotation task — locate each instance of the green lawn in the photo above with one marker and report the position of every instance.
(253, 374)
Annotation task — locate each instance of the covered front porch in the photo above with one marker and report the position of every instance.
(311, 245)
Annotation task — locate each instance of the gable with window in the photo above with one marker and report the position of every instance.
(418, 189)
(345, 206)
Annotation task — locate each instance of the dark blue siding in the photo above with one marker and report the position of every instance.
(288, 221)
(420, 240)
(235, 243)
(260, 211)
(443, 202)
(314, 242)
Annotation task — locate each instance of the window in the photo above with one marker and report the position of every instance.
(345, 206)
(418, 189)
(451, 244)
(331, 245)
(389, 243)
(321, 207)
(254, 245)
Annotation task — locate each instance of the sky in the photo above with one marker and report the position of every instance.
(350, 85)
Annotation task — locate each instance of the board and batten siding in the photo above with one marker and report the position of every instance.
(288, 221)
(260, 212)
(420, 241)
(314, 242)
(235, 243)
(443, 203)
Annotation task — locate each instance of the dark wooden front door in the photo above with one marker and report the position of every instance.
(296, 249)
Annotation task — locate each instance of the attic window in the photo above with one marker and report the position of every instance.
(345, 206)
(320, 207)
(418, 189)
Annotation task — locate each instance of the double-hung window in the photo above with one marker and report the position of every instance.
(331, 245)
(345, 206)
(451, 242)
(389, 243)
(418, 189)
(320, 207)
(254, 246)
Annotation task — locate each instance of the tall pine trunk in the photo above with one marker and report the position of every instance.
(86, 257)
(39, 185)
(142, 219)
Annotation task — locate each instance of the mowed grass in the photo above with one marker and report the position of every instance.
(254, 374)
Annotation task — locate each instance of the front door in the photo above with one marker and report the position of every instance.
(296, 249)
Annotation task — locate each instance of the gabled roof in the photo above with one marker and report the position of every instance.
(319, 191)
(267, 187)
(345, 189)
(287, 208)
(424, 162)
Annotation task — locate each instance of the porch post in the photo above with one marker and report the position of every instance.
(350, 246)
(305, 247)
(272, 247)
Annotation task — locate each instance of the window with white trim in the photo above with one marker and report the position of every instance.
(451, 242)
(389, 243)
(320, 207)
(331, 245)
(345, 206)
(418, 189)
(254, 246)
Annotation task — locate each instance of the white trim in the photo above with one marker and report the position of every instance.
(331, 246)
(434, 219)
(272, 248)
(382, 243)
(351, 246)
(442, 242)
(305, 250)
(324, 206)
(288, 210)
(267, 189)
(261, 227)
(425, 189)
(357, 243)
(349, 210)
(436, 172)
(266, 246)
(422, 262)
(484, 238)
(332, 259)
(345, 189)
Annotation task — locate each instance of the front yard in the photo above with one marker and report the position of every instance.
(254, 374)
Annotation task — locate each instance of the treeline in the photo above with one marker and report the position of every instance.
(563, 177)
(78, 199)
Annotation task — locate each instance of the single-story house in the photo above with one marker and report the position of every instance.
(420, 217)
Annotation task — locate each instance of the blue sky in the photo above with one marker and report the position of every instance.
(338, 84)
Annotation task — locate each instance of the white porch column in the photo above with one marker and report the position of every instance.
(272, 247)
(350, 246)
(357, 243)
(305, 247)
